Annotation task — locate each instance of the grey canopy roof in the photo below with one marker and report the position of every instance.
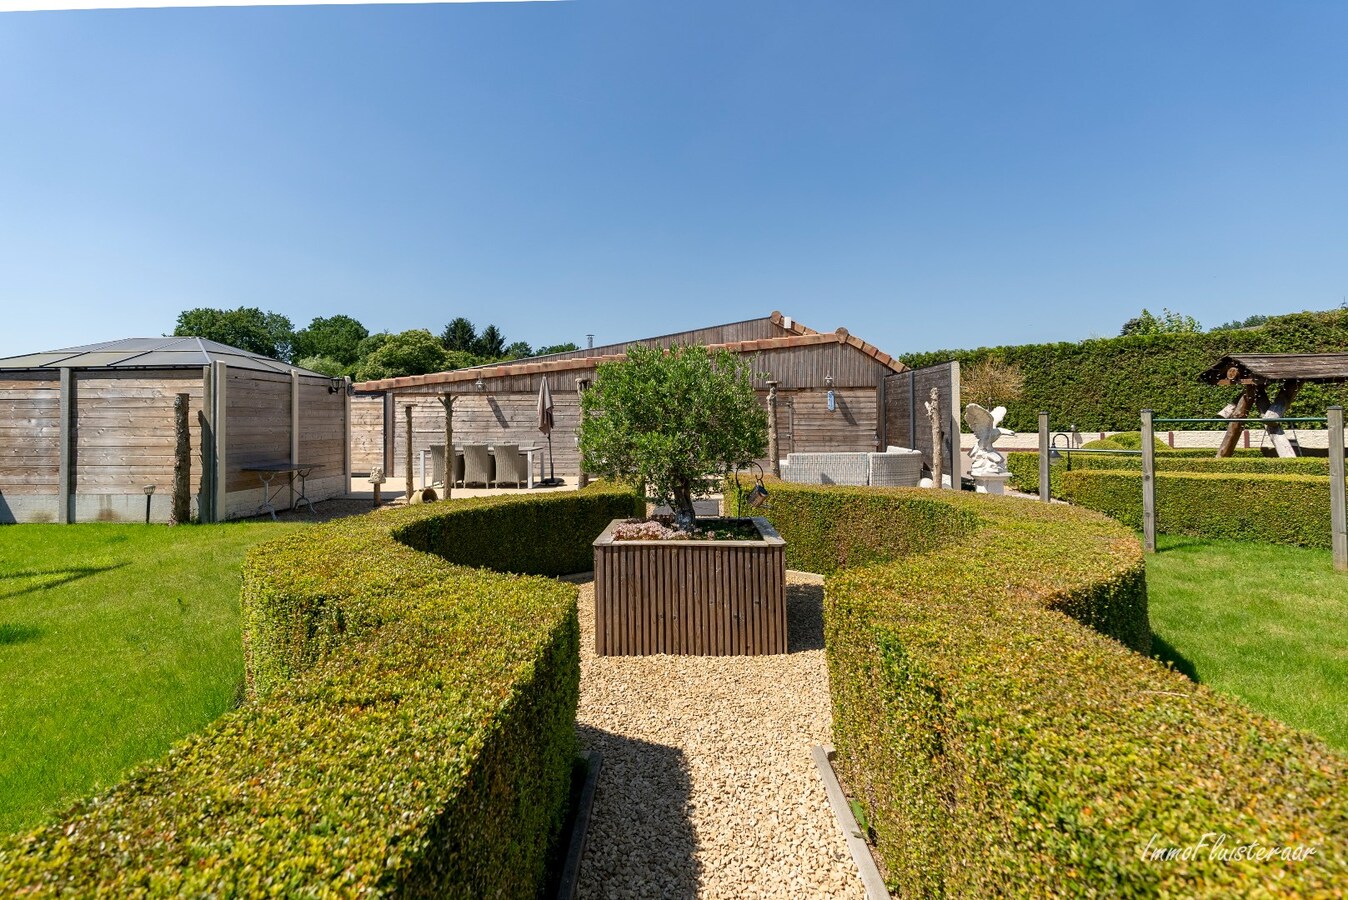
(152, 353)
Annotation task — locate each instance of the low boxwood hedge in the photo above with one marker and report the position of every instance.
(410, 732)
(1274, 509)
(1003, 748)
(1024, 467)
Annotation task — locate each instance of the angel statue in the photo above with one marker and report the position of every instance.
(986, 426)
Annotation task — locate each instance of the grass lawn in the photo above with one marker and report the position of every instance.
(115, 641)
(1266, 623)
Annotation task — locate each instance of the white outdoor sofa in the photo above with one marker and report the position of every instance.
(896, 467)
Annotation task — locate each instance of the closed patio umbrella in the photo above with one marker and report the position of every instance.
(545, 426)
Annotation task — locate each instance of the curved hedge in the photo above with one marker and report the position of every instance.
(1002, 748)
(411, 730)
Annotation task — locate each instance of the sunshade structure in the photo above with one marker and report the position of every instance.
(86, 432)
(1255, 372)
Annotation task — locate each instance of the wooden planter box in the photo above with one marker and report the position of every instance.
(704, 598)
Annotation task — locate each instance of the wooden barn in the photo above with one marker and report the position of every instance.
(88, 432)
(498, 403)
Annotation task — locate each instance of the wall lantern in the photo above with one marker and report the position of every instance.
(479, 384)
(832, 398)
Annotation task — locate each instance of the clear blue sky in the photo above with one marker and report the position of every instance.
(927, 174)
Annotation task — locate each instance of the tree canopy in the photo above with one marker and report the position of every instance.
(1166, 323)
(248, 328)
(335, 337)
(679, 422)
(414, 352)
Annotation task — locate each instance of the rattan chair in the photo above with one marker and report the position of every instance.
(512, 466)
(478, 465)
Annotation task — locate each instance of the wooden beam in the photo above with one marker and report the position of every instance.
(1045, 448)
(410, 485)
(1240, 410)
(953, 432)
(447, 401)
(774, 449)
(65, 479)
(294, 428)
(1276, 410)
(219, 425)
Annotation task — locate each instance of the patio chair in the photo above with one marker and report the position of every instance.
(478, 465)
(512, 466)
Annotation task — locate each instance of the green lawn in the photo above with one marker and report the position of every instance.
(115, 641)
(1266, 623)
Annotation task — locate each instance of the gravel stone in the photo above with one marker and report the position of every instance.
(708, 788)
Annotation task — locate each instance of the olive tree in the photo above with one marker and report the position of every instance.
(679, 421)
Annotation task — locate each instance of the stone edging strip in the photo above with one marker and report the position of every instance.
(856, 842)
(569, 881)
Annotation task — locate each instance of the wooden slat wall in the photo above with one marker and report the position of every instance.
(907, 424)
(367, 433)
(124, 437)
(322, 431)
(30, 432)
(853, 425)
(698, 599)
(258, 424)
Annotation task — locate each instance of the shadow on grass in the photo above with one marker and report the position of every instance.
(50, 578)
(18, 634)
(641, 840)
(1162, 650)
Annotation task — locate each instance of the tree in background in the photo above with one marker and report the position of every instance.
(490, 344)
(518, 350)
(324, 365)
(414, 352)
(679, 421)
(248, 328)
(460, 335)
(556, 348)
(334, 337)
(1247, 322)
(1166, 323)
(991, 382)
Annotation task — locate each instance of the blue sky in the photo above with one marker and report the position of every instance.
(927, 174)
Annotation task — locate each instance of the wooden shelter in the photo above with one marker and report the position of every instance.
(85, 432)
(1255, 373)
(799, 367)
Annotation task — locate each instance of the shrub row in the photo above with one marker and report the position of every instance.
(1101, 384)
(1274, 509)
(1024, 467)
(1003, 748)
(410, 732)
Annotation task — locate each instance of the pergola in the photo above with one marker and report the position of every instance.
(1255, 372)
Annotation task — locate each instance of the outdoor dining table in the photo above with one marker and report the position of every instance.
(458, 451)
(268, 471)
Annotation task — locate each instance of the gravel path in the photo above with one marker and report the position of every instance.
(708, 788)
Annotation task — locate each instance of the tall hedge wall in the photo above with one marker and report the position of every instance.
(1024, 467)
(1271, 509)
(1102, 384)
(1003, 748)
(411, 732)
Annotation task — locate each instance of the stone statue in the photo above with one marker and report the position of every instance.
(984, 458)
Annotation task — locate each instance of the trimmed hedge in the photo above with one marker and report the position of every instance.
(411, 731)
(1024, 467)
(1274, 509)
(1002, 748)
(1100, 384)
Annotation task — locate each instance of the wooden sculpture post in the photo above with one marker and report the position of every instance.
(774, 451)
(937, 449)
(182, 462)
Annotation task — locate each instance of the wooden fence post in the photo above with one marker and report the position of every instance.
(1338, 502)
(774, 451)
(1148, 484)
(410, 486)
(1044, 450)
(65, 494)
(447, 401)
(182, 462)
